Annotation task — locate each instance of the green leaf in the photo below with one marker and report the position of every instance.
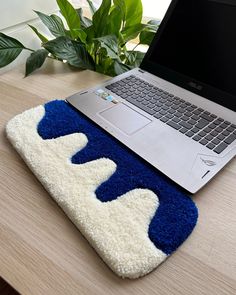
(91, 6)
(53, 23)
(110, 43)
(84, 21)
(82, 36)
(73, 52)
(35, 61)
(146, 37)
(120, 68)
(100, 18)
(132, 11)
(41, 37)
(114, 21)
(120, 5)
(10, 48)
(135, 58)
(71, 16)
(130, 33)
(90, 34)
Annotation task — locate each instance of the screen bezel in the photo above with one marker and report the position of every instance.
(214, 94)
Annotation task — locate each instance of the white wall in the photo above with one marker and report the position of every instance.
(155, 8)
(15, 15)
(14, 12)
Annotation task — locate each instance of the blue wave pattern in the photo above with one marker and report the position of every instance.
(176, 215)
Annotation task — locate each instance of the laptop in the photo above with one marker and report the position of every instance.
(177, 111)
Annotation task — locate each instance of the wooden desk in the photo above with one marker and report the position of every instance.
(41, 251)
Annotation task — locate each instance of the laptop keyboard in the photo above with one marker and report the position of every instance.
(206, 128)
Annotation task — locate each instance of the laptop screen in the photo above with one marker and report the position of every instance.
(195, 47)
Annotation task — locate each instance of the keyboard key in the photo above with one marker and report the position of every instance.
(174, 125)
(206, 116)
(151, 105)
(162, 112)
(188, 114)
(217, 122)
(184, 105)
(209, 137)
(225, 132)
(197, 112)
(147, 98)
(174, 107)
(130, 99)
(148, 110)
(195, 117)
(181, 110)
(176, 102)
(157, 109)
(190, 133)
(214, 133)
(230, 129)
(170, 111)
(162, 100)
(216, 141)
(219, 129)
(164, 119)
(202, 133)
(210, 146)
(195, 130)
(190, 108)
(230, 139)
(192, 122)
(196, 137)
(220, 136)
(220, 148)
(224, 125)
(207, 130)
(138, 99)
(145, 102)
(183, 130)
(141, 106)
(212, 125)
(177, 114)
(169, 116)
(185, 125)
(203, 141)
(164, 96)
(164, 107)
(157, 115)
(176, 120)
(184, 118)
(202, 123)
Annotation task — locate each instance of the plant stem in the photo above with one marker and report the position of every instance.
(29, 49)
(135, 47)
(127, 58)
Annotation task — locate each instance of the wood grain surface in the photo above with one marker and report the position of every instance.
(42, 252)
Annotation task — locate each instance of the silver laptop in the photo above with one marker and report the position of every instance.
(177, 111)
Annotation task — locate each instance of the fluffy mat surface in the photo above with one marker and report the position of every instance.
(131, 214)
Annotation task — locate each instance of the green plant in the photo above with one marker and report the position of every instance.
(99, 43)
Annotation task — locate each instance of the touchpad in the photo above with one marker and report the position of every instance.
(125, 118)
